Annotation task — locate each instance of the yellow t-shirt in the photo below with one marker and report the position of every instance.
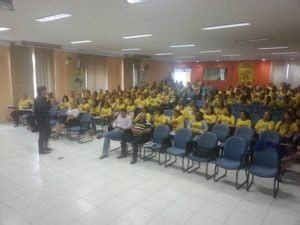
(185, 113)
(25, 104)
(196, 127)
(218, 111)
(160, 120)
(105, 112)
(262, 125)
(210, 119)
(84, 107)
(95, 110)
(120, 106)
(285, 129)
(153, 102)
(229, 120)
(64, 105)
(243, 123)
(130, 108)
(177, 123)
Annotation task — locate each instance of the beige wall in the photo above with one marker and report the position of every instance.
(157, 70)
(6, 96)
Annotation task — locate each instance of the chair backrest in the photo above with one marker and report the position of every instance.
(182, 137)
(268, 157)
(85, 120)
(207, 140)
(269, 136)
(234, 148)
(199, 103)
(244, 132)
(62, 112)
(160, 133)
(169, 112)
(221, 130)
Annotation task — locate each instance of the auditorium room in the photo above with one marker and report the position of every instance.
(149, 112)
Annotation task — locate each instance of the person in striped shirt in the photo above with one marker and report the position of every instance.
(137, 135)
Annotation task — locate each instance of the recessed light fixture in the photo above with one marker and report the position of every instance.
(164, 53)
(226, 26)
(4, 28)
(54, 17)
(272, 48)
(217, 60)
(211, 51)
(231, 55)
(182, 46)
(130, 49)
(263, 59)
(292, 59)
(138, 36)
(197, 61)
(284, 53)
(134, 1)
(80, 42)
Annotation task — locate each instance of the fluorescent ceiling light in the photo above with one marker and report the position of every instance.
(130, 49)
(135, 1)
(54, 17)
(226, 26)
(4, 28)
(182, 46)
(166, 53)
(138, 36)
(186, 57)
(211, 51)
(254, 40)
(283, 53)
(272, 48)
(231, 55)
(80, 42)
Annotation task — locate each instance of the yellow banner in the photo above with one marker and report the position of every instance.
(246, 73)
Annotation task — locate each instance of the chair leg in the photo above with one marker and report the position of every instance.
(190, 167)
(170, 164)
(206, 172)
(217, 172)
(183, 170)
(251, 182)
(275, 187)
(237, 185)
(150, 156)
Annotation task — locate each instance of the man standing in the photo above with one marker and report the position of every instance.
(41, 110)
(138, 135)
(121, 124)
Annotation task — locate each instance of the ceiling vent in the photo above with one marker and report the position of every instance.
(6, 5)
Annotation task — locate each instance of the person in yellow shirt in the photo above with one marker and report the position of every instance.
(226, 117)
(159, 118)
(95, 108)
(286, 127)
(210, 116)
(265, 123)
(105, 111)
(244, 120)
(85, 106)
(153, 101)
(65, 103)
(24, 108)
(177, 121)
(130, 108)
(199, 125)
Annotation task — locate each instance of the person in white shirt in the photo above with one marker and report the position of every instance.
(122, 123)
(69, 120)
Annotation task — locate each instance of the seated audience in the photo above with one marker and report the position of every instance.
(265, 123)
(119, 126)
(159, 118)
(177, 121)
(244, 120)
(137, 135)
(24, 106)
(198, 125)
(286, 126)
(226, 117)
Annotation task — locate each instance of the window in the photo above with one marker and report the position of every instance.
(182, 75)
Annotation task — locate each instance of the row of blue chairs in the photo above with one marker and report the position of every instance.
(233, 154)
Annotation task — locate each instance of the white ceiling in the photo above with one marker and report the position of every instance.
(170, 21)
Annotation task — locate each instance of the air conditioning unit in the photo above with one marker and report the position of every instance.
(6, 5)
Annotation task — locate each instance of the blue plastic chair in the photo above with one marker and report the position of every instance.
(265, 163)
(199, 103)
(169, 113)
(204, 151)
(85, 121)
(160, 134)
(178, 149)
(221, 130)
(269, 136)
(233, 158)
(246, 133)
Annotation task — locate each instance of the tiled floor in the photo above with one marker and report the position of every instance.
(82, 190)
